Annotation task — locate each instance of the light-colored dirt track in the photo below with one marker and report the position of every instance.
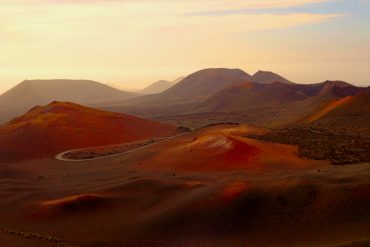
(60, 155)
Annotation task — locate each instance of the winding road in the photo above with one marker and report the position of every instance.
(60, 155)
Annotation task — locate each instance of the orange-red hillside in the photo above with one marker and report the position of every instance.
(349, 115)
(225, 148)
(322, 111)
(59, 126)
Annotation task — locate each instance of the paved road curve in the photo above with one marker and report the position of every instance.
(60, 155)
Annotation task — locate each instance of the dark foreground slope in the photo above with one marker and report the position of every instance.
(265, 196)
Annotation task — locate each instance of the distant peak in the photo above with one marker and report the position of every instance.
(35, 108)
(222, 69)
(64, 104)
(268, 77)
(329, 83)
(259, 72)
(178, 79)
(161, 81)
(340, 88)
(336, 82)
(56, 106)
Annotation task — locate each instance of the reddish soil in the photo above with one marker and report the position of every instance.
(46, 130)
(327, 108)
(350, 115)
(221, 148)
(133, 200)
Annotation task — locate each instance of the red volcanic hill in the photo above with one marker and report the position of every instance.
(222, 148)
(349, 114)
(46, 130)
(326, 108)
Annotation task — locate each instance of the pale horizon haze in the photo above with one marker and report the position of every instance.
(132, 43)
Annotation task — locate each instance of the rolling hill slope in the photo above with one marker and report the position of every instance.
(349, 115)
(278, 104)
(248, 95)
(46, 130)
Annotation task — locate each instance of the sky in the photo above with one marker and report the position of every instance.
(132, 43)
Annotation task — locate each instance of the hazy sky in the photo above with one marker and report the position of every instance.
(136, 42)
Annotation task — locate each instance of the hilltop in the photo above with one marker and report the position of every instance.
(59, 126)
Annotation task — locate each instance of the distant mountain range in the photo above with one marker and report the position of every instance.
(39, 92)
(233, 90)
(192, 89)
(159, 86)
(197, 86)
(153, 88)
(248, 95)
(202, 84)
(210, 90)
